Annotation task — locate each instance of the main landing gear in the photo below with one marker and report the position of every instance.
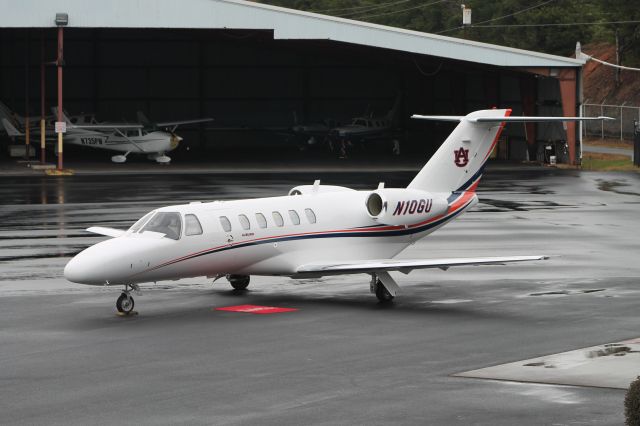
(239, 282)
(125, 302)
(383, 286)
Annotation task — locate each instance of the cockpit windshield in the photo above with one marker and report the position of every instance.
(167, 223)
(140, 222)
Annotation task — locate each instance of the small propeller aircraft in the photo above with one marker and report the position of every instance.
(151, 139)
(314, 231)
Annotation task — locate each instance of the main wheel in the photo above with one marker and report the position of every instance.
(125, 303)
(239, 282)
(382, 293)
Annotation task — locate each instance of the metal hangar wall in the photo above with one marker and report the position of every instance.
(257, 84)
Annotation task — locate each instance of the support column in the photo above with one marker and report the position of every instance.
(43, 128)
(568, 85)
(27, 123)
(59, 63)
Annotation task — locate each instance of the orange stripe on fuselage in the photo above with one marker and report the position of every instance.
(466, 196)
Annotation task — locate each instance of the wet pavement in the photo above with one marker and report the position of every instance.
(341, 357)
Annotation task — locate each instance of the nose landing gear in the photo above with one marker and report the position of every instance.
(239, 282)
(125, 302)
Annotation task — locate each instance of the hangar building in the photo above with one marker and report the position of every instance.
(254, 66)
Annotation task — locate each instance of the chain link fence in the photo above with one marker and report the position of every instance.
(622, 128)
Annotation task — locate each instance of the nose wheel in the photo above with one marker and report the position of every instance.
(239, 282)
(125, 303)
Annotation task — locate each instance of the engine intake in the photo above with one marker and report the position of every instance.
(399, 206)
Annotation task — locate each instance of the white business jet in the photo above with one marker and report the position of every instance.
(316, 230)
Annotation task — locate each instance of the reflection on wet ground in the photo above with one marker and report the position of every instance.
(342, 353)
(567, 292)
(616, 186)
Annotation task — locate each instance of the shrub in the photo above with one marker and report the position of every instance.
(632, 403)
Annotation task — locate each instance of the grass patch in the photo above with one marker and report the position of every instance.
(611, 143)
(607, 162)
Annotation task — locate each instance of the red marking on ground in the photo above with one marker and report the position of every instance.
(255, 309)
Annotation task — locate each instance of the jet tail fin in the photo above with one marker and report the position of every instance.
(459, 162)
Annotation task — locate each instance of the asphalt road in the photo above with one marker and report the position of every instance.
(341, 358)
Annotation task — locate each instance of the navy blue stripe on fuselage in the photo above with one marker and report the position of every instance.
(388, 233)
(473, 178)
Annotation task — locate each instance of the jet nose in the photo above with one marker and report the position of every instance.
(73, 271)
(81, 270)
(94, 265)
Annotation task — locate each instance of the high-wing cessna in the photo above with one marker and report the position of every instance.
(314, 231)
(151, 139)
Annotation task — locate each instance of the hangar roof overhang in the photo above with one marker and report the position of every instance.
(286, 24)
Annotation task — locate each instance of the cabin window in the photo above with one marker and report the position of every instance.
(244, 221)
(140, 222)
(311, 216)
(226, 225)
(262, 221)
(192, 225)
(167, 223)
(277, 218)
(294, 217)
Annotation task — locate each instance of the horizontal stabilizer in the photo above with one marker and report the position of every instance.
(516, 119)
(108, 232)
(405, 265)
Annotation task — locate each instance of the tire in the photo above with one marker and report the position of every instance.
(239, 282)
(125, 304)
(383, 294)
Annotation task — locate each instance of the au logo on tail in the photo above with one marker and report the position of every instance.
(461, 157)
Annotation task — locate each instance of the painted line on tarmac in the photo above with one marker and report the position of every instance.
(255, 309)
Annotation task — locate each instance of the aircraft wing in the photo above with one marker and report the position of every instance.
(108, 232)
(182, 122)
(404, 265)
(111, 126)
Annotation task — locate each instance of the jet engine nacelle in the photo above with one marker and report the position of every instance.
(404, 206)
(317, 189)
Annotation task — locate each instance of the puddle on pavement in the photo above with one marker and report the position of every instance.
(615, 186)
(567, 292)
(502, 205)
